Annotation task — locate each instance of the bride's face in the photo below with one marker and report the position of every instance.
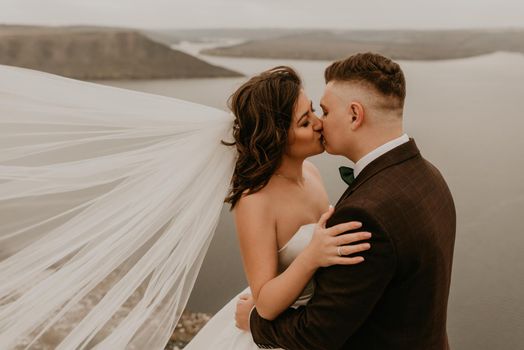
(304, 138)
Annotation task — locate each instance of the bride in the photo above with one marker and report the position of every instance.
(109, 199)
(278, 199)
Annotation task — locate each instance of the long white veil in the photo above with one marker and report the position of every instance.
(109, 199)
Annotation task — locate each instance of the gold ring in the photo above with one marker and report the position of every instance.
(338, 251)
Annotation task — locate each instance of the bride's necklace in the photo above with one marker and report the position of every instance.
(299, 181)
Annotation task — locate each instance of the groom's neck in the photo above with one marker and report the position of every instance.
(372, 141)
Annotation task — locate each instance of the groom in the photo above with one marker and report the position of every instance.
(397, 298)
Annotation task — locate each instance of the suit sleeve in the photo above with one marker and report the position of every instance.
(344, 296)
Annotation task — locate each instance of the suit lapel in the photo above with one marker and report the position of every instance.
(345, 194)
(397, 155)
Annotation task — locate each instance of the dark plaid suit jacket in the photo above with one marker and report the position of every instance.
(397, 298)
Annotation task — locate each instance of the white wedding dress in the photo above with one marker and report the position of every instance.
(221, 333)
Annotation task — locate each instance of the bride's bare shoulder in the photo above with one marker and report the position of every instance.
(255, 204)
(256, 228)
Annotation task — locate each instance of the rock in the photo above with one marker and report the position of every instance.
(188, 326)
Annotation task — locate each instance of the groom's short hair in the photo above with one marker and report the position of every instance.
(372, 69)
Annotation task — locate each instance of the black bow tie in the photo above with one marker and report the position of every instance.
(346, 174)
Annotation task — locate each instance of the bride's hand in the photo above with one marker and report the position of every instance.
(327, 243)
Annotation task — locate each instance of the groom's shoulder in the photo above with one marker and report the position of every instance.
(397, 187)
(398, 177)
(391, 186)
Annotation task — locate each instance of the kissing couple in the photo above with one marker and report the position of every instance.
(371, 273)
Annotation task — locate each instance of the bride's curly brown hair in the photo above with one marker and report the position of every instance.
(263, 108)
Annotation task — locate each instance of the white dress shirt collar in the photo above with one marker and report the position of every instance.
(377, 152)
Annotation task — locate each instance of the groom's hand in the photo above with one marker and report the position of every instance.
(244, 305)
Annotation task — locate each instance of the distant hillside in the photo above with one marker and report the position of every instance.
(173, 36)
(397, 44)
(93, 53)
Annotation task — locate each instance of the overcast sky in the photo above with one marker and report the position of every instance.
(366, 14)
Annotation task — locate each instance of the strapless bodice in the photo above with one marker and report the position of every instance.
(290, 251)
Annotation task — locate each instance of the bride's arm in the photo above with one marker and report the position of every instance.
(256, 229)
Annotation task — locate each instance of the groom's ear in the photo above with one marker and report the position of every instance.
(356, 113)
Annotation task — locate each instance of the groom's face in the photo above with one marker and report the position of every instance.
(335, 119)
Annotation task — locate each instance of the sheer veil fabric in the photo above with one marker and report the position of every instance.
(109, 199)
